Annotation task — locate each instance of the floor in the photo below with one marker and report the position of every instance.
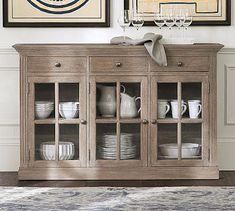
(227, 178)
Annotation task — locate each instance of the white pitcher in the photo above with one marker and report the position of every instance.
(107, 103)
(128, 106)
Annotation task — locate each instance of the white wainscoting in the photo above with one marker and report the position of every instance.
(9, 109)
(226, 109)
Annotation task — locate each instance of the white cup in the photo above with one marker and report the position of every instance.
(195, 108)
(175, 110)
(163, 108)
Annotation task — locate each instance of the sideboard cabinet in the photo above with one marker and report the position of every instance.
(105, 112)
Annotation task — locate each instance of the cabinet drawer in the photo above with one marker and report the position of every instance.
(57, 64)
(116, 64)
(187, 63)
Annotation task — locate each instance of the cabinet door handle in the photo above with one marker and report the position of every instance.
(118, 64)
(180, 64)
(83, 121)
(57, 64)
(154, 121)
(145, 121)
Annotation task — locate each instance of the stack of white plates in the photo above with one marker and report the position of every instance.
(189, 150)
(107, 146)
(66, 150)
(69, 110)
(43, 109)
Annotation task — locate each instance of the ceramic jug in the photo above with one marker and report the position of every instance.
(107, 102)
(128, 106)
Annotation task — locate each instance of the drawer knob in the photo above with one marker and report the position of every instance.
(83, 121)
(145, 121)
(57, 64)
(154, 121)
(180, 64)
(118, 64)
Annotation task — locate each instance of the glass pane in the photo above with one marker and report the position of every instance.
(191, 141)
(192, 95)
(44, 101)
(69, 142)
(69, 100)
(130, 100)
(44, 142)
(106, 100)
(167, 95)
(106, 142)
(130, 141)
(167, 141)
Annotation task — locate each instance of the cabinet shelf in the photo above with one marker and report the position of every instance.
(53, 121)
(114, 120)
(106, 120)
(69, 121)
(191, 121)
(44, 121)
(167, 121)
(130, 120)
(175, 121)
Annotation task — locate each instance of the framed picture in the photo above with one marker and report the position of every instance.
(56, 13)
(205, 12)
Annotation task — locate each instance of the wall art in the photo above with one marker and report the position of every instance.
(56, 13)
(205, 12)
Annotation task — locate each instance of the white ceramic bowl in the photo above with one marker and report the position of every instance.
(43, 109)
(44, 103)
(66, 151)
(69, 105)
(43, 114)
(69, 110)
(69, 114)
(188, 150)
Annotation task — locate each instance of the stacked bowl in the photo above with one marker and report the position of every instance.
(189, 150)
(43, 109)
(69, 110)
(66, 150)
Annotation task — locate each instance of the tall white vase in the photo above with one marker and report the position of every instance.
(107, 103)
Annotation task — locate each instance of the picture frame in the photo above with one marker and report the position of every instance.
(46, 13)
(202, 18)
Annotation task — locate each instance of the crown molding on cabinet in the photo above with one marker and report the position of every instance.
(8, 50)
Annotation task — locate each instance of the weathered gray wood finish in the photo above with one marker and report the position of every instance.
(88, 64)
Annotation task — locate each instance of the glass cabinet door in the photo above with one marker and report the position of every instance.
(179, 129)
(58, 119)
(118, 121)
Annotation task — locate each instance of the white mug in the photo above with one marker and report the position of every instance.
(175, 110)
(163, 108)
(195, 108)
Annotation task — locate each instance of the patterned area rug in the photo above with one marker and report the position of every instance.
(117, 199)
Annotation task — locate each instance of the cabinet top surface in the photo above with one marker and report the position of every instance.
(71, 46)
